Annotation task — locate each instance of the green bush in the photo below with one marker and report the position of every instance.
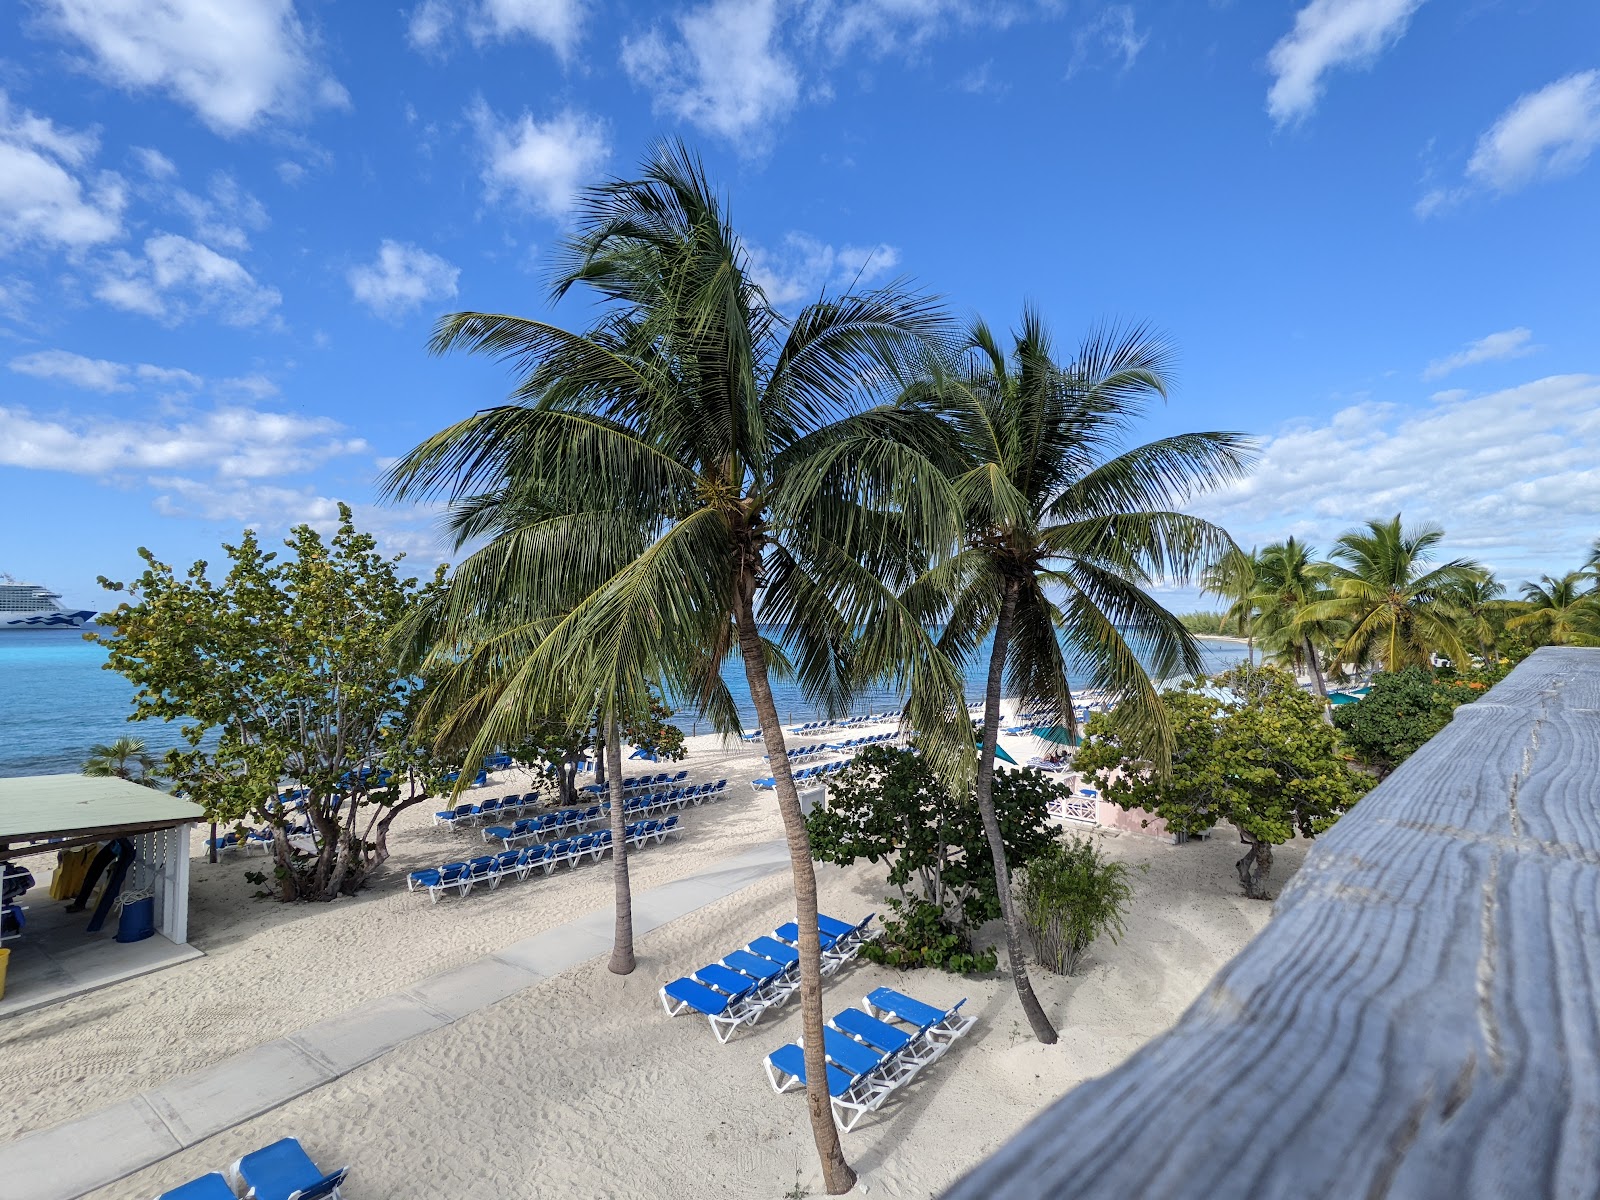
(1070, 896)
(921, 935)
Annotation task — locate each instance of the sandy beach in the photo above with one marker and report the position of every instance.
(550, 1090)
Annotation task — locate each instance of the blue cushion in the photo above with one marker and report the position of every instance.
(207, 1187)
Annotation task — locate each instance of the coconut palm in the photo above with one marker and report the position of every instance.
(735, 457)
(1289, 581)
(1483, 608)
(1562, 612)
(1233, 578)
(1398, 609)
(1064, 531)
(125, 758)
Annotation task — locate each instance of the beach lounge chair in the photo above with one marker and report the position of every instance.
(912, 1052)
(940, 1026)
(208, 1187)
(770, 947)
(854, 1091)
(725, 1008)
(284, 1171)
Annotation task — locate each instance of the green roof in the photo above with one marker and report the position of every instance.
(36, 806)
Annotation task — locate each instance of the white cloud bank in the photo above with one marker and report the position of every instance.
(1513, 475)
(402, 278)
(1543, 135)
(541, 164)
(1494, 347)
(556, 23)
(99, 374)
(48, 197)
(723, 71)
(1330, 34)
(235, 63)
(802, 266)
(176, 277)
(231, 442)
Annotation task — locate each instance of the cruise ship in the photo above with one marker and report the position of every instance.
(28, 606)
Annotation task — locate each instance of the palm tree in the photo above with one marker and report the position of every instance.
(733, 457)
(1062, 540)
(1233, 578)
(124, 758)
(1561, 611)
(1399, 611)
(1289, 580)
(1480, 602)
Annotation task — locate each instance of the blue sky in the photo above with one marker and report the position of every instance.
(226, 228)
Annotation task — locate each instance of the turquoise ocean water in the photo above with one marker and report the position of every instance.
(56, 701)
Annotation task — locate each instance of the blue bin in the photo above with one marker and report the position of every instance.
(138, 920)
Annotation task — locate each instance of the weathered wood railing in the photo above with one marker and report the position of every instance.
(1421, 1018)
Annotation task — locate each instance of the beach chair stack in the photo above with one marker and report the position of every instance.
(491, 870)
(873, 1051)
(281, 1171)
(735, 990)
(805, 775)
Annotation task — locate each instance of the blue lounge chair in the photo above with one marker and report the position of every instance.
(912, 1051)
(939, 1026)
(723, 1008)
(834, 955)
(284, 1171)
(853, 1093)
(208, 1187)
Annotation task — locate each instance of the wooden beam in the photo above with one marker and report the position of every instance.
(1421, 1017)
(79, 838)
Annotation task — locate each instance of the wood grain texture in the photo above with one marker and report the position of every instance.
(1421, 1017)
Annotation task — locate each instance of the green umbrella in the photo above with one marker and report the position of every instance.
(1056, 733)
(1000, 753)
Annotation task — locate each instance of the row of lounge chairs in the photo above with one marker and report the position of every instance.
(872, 1051)
(805, 775)
(575, 820)
(735, 990)
(465, 815)
(493, 869)
(860, 742)
(804, 751)
(844, 722)
(633, 783)
(281, 1171)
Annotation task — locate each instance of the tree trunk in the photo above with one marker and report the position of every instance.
(837, 1175)
(1255, 866)
(212, 846)
(983, 792)
(622, 961)
(602, 757)
(1316, 674)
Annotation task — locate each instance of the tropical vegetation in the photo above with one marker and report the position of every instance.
(123, 758)
(1071, 895)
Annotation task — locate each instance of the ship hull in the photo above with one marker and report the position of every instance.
(34, 622)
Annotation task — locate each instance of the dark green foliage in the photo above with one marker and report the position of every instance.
(1207, 622)
(920, 934)
(1070, 896)
(1406, 708)
(891, 806)
(1264, 761)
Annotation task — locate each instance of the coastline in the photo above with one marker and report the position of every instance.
(1221, 637)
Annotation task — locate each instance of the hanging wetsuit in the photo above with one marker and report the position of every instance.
(122, 851)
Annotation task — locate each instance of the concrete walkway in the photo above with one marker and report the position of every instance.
(65, 1162)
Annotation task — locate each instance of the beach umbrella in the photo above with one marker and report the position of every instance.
(1059, 734)
(1000, 753)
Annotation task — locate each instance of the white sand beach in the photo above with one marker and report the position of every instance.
(580, 1085)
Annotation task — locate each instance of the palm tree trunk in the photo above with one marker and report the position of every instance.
(984, 793)
(1316, 674)
(622, 961)
(837, 1175)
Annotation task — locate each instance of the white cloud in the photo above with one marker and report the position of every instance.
(234, 443)
(802, 266)
(46, 196)
(885, 27)
(401, 278)
(154, 163)
(724, 71)
(176, 278)
(63, 366)
(1328, 34)
(290, 173)
(1507, 343)
(1513, 476)
(225, 215)
(233, 63)
(1113, 34)
(1545, 133)
(542, 164)
(556, 23)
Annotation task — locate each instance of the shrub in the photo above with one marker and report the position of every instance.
(1070, 896)
(920, 934)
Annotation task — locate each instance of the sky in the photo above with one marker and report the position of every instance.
(228, 226)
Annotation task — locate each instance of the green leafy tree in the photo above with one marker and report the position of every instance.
(896, 807)
(1071, 894)
(1064, 532)
(1396, 607)
(124, 758)
(1232, 577)
(1560, 612)
(1263, 760)
(1403, 709)
(279, 673)
(1484, 612)
(693, 458)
